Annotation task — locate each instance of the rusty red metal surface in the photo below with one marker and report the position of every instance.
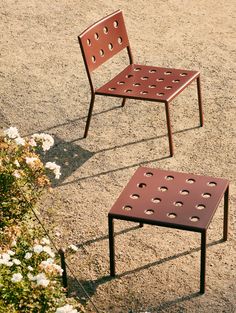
(168, 198)
(107, 37)
(149, 83)
(171, 199)
(104, 39)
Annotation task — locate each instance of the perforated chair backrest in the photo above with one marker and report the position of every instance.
(103, 40)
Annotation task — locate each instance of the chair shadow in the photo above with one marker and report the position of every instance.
(74, 121)
(68, 155)
(71, 156)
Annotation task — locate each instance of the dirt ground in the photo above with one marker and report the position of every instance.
(44, 88)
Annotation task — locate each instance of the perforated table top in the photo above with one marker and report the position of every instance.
(171, 199)
(148, 82)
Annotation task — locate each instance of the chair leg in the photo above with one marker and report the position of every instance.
(203, 262)
(169, 129)
(111, 246)
(200, 101)
(89, 116)
(63, 266)
(123, 102)
(226, 213)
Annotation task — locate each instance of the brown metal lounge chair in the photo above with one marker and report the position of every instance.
(107, 37)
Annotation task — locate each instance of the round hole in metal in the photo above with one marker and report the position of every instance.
(194, 219)
(152, 71)
(128, 90)
(201, 206)
(134, 196)
(172, 215)
(101, 52)
(175, 81)
(120, 83)
(183, 74)
(142, 185)
(110, 46)
(119, 40)
(112, 88)
(168, 87)
(115, 24)
(160, 94)
(184, 192)
(169, 177)
(212, 184)
(129, 76)
(206, 195)
(156, 200)
(144, 78)
(160, 79)
(167, 72)
(137, 69)
(96, 36)
(127, 207)
(93, 59)
(88, 42)
(144, 92)
(163, 188)
(149, 212)
(190, 180)
(136, 84)
(105, 30)
(152, 86)
(148, 174)
(178, 203)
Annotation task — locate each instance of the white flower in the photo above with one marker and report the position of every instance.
(73, 247)
(30, 268)
(38, 248)
(20, 141)
(48, 250)
(16, 261)
(17, 163)
(58, 269)
(10, 252)
(13, 244)
(16, 277)
(32, 142)
(31, 277)
(11, 132)
(55, 168)
(9, 263)
(41, 280)
(30, 161)
(28, 255)
(4, 258)
(45, 241)
(47, 140)
(66, 309)
(49, 266)
(16, 174)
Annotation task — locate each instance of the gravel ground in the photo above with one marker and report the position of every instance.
(44, 88)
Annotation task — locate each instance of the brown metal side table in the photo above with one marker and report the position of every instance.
(171, 199)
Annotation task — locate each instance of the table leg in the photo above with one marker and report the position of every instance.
(203, 262)
(111, 246)
(226, 214)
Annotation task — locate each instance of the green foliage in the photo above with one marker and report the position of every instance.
(30, 277)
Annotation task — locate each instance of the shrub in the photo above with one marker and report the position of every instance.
(29, 270)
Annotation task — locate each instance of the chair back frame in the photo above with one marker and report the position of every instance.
(103, 40)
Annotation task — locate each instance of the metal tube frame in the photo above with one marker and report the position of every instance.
(226, 214)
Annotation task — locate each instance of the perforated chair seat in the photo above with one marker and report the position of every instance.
(148, 83)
